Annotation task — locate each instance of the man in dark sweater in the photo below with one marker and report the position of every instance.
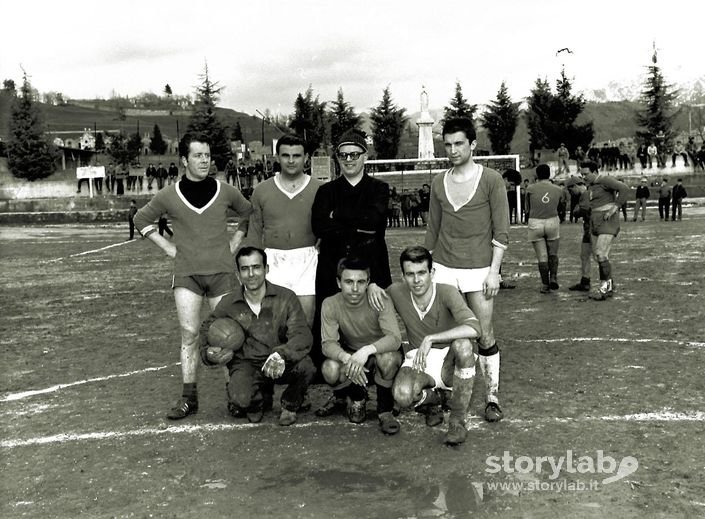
(642, 195)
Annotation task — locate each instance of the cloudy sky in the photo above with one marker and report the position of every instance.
(266, 51)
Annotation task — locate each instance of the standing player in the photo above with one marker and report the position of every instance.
(576, 187)
(358, 339)
(202, 249)
(440, 327)
(281, 223)
(468, 232)
(542, 201)
(606, 196)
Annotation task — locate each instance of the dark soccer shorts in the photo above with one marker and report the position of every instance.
(599, 225)
(210, 285)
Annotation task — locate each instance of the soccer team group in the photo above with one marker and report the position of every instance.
(310, 291)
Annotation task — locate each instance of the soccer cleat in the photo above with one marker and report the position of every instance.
(388, 424)
(456, 432)
(506, 285)
(493, 413)
(579, 287)
(255, 415)
(333, 405)
(236, 411)
(553, 284)
(434, 415)
(545, 289)
(357, 411)
(287, 418)
(182, 409)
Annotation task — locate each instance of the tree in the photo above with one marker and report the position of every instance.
(8, 86)
(167, 89)
(342, 117)
(309, 119)
(99, 142)
(388, 122)
(500, 120)
(459, 106)
(206, 120)
(29, 152)
(124, 150)
(236, 134)
(552, 117)
(157, 144)
(656, 117)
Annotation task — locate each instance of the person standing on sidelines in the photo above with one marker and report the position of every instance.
(440, 328)
(281, 224)
(664, 199)
(131, 212)
(542, 200)
(468, 232)
(202, 249)
(642, 195)
(606, 195)
(678, 194)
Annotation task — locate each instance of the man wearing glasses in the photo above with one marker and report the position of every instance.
(349, 217)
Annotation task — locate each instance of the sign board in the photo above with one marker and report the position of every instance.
(90, 172)
(320, 168)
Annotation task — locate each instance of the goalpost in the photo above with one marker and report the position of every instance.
(411, 171)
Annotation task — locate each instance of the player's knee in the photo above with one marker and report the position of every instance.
(239, 395)
(463, 353)
(331, 371)
(388, 363)
(189, 335)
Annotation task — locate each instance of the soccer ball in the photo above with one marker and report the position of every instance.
(226, 334)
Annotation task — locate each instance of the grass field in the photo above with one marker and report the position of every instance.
(90, 351)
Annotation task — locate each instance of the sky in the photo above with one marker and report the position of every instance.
(265, 52)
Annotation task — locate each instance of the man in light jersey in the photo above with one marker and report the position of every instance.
(468, 232)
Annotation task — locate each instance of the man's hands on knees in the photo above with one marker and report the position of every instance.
(354, 364)
(419, 363)
(274, 366)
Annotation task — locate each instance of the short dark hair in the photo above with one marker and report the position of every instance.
(460, 124)
(188, 138)
(543, 171)
(352, 263)
(589, 164)
(416, 254)
(249, 251)
(291, 139)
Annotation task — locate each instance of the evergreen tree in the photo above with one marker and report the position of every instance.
(459, 106)
(539, 107)
(342, 117)
(29, 153)
(656, 117)
(309, 119)
(388, 122)
(564, 112)
(157, 144)
(124, 150)
(206, 120)
(500, 120)
(167, 89)
(236, 134)
(99, 142)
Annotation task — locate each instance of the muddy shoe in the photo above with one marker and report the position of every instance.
(456, 432)
(434, 416)
(236, 411)
(493, 413)
(388, 424)
(255, 415)
(332, 406)
(580, 287)
(287, 418)
(357, 411)
(182, 409)
(545, 289)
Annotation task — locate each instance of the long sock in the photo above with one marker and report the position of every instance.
(605, 270)
(463, 379)
(356, 392)
(190, 392)
(385, 399)
(489, 367)
(543, 270)
(553, 267)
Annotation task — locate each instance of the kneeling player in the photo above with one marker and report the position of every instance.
(440, 327)
(277, 341)
(357, 340)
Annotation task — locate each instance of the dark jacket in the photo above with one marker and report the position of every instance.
(642, 192)
(280, 327)
(679, 192)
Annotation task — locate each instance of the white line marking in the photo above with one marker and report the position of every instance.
(90, 251)
(666, 415)
(695, 344)
(57, 387)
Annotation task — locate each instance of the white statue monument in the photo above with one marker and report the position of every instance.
(425, 124)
